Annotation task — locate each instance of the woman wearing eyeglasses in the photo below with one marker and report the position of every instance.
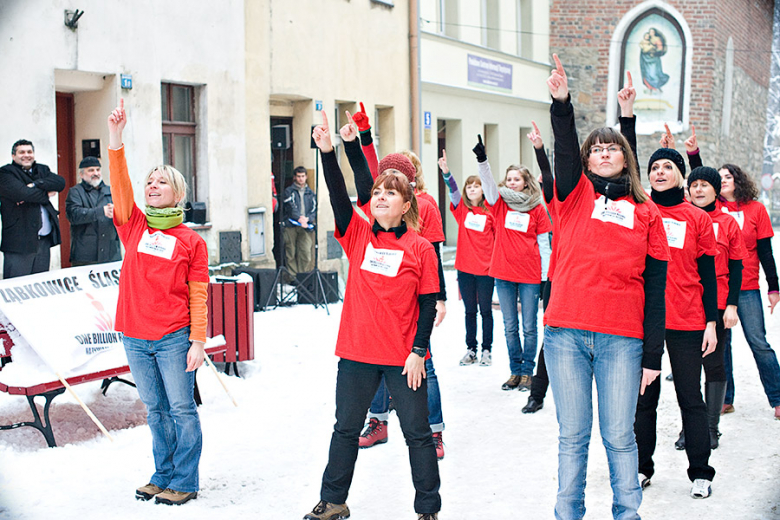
(605, 319)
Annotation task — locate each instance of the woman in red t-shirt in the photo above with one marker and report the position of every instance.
(704, 188)
(739, 196)
(472, 260)
(691, 316)
(392, 286)
(522, 230)
(162, 312)
(605, 318)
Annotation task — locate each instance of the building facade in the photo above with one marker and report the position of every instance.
(484, 66)
(695, 63)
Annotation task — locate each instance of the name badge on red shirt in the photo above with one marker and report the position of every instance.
(715, 228)
(517, 221)
(382, 261)
(675, 232)
(739, 216)
(157, 244)
(475, 222)
(619, 212)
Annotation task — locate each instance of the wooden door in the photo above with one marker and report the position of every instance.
(66, 164)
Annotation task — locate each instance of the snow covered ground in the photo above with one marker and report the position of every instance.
(265, 458)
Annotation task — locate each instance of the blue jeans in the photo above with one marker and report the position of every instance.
(574, 358)
(521, 360)
(751, 316)
(166, 390)
(380, 405)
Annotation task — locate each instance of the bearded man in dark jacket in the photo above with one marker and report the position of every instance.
(90, 210)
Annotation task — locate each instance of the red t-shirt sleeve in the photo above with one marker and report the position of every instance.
(429, 278)
(543, 224)
(737, 249)
(657, 244)
(763, 224)
(199, 262)
(706, 239)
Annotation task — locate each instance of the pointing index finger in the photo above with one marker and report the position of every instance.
(668, 132)
(693, 130)
(536, 128)
(630, 82)
(558, 65)
(444, 154)
(349, 117)
(362, 108)
(324, 120)
(479, 136)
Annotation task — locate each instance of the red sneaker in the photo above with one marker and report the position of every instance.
(375, 433)
(439, 443)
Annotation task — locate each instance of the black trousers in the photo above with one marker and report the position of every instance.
(355, 387)
(477, 291)
(540, 381)
(16, 264)
(714, 364)
(685, 355)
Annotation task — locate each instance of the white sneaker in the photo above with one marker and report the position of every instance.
(469, 359)
(644, 480)
(486, 360)
(701, 488)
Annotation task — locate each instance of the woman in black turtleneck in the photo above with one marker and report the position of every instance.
(691, 315)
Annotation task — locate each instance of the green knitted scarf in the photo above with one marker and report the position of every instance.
(164, 218)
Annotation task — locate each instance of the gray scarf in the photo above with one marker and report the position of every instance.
(519, 200)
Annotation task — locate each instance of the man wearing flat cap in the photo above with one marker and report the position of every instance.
(30, 224)
(90, 210)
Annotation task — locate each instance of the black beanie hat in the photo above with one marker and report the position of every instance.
(708, 174)
(88, 162)
(667, 153)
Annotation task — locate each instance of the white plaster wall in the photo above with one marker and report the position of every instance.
(186, 41)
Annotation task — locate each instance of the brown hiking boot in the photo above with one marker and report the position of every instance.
(511, 383)
(327, 511)
(175, 498)
(525, 383)
(147, 492)
(428, 516)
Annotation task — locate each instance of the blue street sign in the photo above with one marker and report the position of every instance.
(427, 119)
(126, 81)
(318, 105)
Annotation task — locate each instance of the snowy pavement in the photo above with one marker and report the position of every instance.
(265, 458)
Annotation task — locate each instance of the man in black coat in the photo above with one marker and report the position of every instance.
(30, 224)
(90, 210)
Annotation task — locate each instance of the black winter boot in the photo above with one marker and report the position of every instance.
(714, 395)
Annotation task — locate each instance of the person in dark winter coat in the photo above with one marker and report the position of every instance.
(90, 211)
(300, 215)
(30, 225)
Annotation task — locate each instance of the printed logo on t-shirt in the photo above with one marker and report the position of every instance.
(619, 212)
(382, 261)
(475, 222)
(716, 228)
(517, 221)
(675, 232)
(739, 216)
(157, 244)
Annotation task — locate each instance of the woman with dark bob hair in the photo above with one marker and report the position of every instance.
(739, 195)
(393, 283)
(605, 320)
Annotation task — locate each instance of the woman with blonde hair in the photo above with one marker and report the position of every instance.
(162, 313)
(522, 230)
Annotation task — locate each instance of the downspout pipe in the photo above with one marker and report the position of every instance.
(414, 74)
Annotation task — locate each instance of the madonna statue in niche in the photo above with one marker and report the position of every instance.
(651, 48)
(660, 63)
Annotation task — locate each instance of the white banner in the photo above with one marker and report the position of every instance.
(66, 316)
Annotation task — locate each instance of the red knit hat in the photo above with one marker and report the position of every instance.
(397, 161)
